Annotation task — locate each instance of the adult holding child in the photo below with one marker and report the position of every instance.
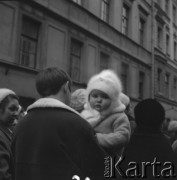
(53, 141)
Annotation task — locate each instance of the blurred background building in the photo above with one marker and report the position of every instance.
(136, 38)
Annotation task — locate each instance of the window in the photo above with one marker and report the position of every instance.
(28, 42)
(141, 30)
(105, 10)
(167, 79)
(175, 88)
(167, 6)
(76, 52)
(159, 37)
(167, 44)
(78, 1)
(141, 84)
(124, 77)
(174, 14)
(125, 19)
(175, 46)
(159, 2)
(159, 79)
(104, 61)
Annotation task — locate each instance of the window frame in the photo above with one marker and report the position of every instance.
(125, 76)
(174, 13)
(25, 37)
(167, 84)
(175, 47)
(106, 58)
(167, 44)
(167, 6)
(159, 36)
(142, 23)
(125, 18)
(159, 79)
(105, 10)
(175, 87)
(141, 84)
(73, 56)
(175, 50)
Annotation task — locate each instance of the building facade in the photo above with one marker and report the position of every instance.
(136, 38)
(165, 55)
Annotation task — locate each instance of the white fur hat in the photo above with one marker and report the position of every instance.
(4, 93)
(106, 81)
(124, 99)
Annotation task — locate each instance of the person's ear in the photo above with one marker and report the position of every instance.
(66, 87)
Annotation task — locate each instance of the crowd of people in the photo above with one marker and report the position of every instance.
(67, 135)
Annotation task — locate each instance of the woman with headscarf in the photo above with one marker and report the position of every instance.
(8, 113)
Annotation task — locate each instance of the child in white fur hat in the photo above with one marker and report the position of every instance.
(105, 112)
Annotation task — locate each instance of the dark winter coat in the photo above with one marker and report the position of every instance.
(6, 159)
(146, 149)
(53, 142)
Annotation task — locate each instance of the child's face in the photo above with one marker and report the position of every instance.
(99, 100)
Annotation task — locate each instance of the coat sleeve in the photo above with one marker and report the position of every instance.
(4, 160)
(84, 150)
(115, 141)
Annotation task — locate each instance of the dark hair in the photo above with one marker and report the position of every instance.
(49, 81)
(6, 100)
(149, 113)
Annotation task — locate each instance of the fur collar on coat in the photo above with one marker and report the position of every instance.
(50, 103)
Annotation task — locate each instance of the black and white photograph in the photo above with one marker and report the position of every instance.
(88, 89)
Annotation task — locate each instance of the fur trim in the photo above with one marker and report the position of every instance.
(4, 93)
(91, 116)
(51, 103)
(124, 99)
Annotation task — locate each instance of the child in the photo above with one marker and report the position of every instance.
(105, 112)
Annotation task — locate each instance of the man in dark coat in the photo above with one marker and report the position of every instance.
(53, 142)
(8, 113)
(148, 154)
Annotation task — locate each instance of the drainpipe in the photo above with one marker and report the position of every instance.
(152, 50)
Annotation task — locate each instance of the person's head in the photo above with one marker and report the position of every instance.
(149, 113)
(103, 91)
(99, 100)
(52, 81)
(78, 99)
(9, 106)
(172, 129)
